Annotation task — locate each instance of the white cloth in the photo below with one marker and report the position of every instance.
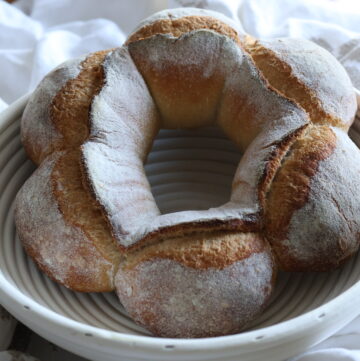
(37, 35)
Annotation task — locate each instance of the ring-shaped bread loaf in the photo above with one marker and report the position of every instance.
(87, 215)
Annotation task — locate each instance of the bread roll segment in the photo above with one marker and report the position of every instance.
(64, 229)
(308, 74)
(312, 210)
(87, 215)
(65, 238)
(201, 285)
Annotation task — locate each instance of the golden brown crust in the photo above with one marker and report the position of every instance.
(202, 250)
(69, 110)
(179, 104)
(279, 74)
(274, 162)
(250, 223)
(75, 278)
(177, 27)
(291, 186)
(79, 208)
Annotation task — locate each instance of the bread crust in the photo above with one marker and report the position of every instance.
(201, 250)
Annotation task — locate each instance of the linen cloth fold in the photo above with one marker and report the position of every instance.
(37, 35)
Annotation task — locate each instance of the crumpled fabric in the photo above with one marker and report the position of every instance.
(37, 35)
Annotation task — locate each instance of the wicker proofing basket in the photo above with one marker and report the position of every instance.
(304, 310)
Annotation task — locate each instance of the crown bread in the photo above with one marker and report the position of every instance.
(87, 215)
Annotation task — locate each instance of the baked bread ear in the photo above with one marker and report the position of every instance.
(90, 125)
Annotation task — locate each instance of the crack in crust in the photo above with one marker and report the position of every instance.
(69, 109)
(201, 250)
(275, 161)
(177, 27)
(70, 115)
(250, 223)
(79, 208)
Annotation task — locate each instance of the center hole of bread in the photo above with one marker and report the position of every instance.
(191, 169)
